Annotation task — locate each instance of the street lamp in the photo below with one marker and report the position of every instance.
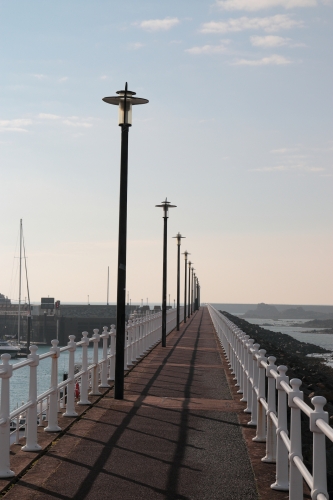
(189, 288)
(186, 253)
(125, 100)
(179, 240)
(192, 284)
(165, 205)
(195, 293)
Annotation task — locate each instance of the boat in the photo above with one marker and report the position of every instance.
(7, 348)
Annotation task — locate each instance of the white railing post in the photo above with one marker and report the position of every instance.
(146, 330)
(6, 372)
(137, 335)
(84, 377)
(31, 420)
(129, 344)
(249, 370)
(281, 483)
(254, 383)
(261, 420)
(244, 368)
(319, 448)
(52, 425)
(94, 388)
(126, 346)
(295, 477)
(104, 376)
(140, 337)
(112, 352)
(270, 456)
(70, 404)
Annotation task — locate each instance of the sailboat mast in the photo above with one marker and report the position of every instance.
(19, 307)
(107, 291)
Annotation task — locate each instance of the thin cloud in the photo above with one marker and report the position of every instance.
(269, 24)
(253, 5)
(275, 60)
(16, 125)
(135, 45)
(70, 121)
(104, 77)
(75, 121)
(209, 49)
(63, 79)
(284, 150)
(278, 168)
(40, 76)
(48, 116)
(159, 24)
(286, 168)
(269, 41)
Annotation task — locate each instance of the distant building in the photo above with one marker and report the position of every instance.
(4, 300)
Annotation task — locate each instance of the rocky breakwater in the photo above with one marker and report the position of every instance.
(317, 378)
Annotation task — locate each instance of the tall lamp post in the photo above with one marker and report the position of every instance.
(125, 100)
(192, 284)
(165, 205)
(179, 240)
(189, 288)
(186, 253)
(195, 292)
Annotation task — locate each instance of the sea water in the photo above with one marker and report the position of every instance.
(19, 382)
(302, 334)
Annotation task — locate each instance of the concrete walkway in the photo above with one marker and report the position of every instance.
(176, 435)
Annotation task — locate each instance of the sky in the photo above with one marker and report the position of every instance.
(237, 133)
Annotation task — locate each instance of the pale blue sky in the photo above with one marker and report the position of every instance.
(237, 134)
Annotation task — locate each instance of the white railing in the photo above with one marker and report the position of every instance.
(258, 379)
(142, 334)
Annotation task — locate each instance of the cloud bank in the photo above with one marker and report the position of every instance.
(268, 24)
(159, 24)
(275, 60)
(253, 5)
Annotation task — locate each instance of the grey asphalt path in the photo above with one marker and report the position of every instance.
(175, 435)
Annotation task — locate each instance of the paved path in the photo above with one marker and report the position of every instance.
(176, 434)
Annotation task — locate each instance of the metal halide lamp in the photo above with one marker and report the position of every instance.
(179, 240)
(125, 100)
(186, 253)
(165, 205)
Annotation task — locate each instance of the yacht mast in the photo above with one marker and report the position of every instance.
(19, 307)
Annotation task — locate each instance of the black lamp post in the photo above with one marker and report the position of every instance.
(186, 253)
(195, 292)
(192, 283)
(124, 101)
(179, 240)
(189, 288)
(165, 205)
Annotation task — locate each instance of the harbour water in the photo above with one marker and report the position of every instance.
(19, 382)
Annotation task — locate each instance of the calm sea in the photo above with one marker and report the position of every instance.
(19, 382)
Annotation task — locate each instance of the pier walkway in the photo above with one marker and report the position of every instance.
(179, 433)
